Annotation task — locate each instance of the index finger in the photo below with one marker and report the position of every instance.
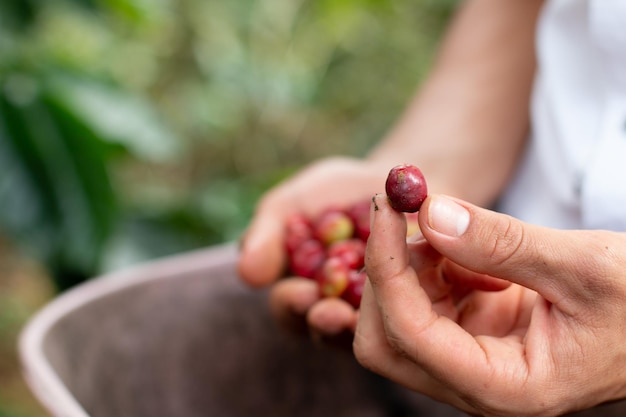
(434, 342)
(262, 256)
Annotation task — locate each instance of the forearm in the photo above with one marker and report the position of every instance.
(466, 126)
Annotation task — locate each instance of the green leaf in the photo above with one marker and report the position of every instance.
(117, 116)
(61, 205)
(30, 210)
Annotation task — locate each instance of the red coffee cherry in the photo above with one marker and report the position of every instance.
(406, 188)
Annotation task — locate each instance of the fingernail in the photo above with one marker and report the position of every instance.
(447, 217)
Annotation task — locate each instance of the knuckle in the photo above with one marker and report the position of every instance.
(600, 269)
(593, 263)
(366, 352)
(508, 241)
(374, 351)
(398, 346)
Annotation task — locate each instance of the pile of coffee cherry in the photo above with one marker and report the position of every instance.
(330, 248)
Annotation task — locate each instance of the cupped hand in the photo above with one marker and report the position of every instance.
(550, 343)
(295, 301)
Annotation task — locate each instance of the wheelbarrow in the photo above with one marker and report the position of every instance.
(183, 337)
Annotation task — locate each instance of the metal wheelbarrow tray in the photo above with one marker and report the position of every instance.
(182, 337)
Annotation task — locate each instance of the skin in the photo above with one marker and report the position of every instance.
(549, 343)
(503, 319)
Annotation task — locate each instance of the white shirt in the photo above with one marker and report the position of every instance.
(574, 172)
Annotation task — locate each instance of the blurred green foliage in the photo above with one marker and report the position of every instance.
(131, 129)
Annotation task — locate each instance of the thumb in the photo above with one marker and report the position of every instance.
(546, 260)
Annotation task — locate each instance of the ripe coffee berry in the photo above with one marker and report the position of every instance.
(354, 291)
(333, 225)
(360, 215)
(298, 230)
(330, 249)
(406, 188)
(351, 251)
(333, 277)
(307, 258)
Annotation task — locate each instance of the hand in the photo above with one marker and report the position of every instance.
(551, 343)
(296, 301)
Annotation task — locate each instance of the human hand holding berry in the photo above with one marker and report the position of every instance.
(265, 253)
(550, 343)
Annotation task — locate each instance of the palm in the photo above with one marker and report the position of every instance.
(480, 304)
(498, 314)
(330, 182)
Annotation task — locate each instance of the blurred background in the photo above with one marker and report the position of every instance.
(135, 129)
